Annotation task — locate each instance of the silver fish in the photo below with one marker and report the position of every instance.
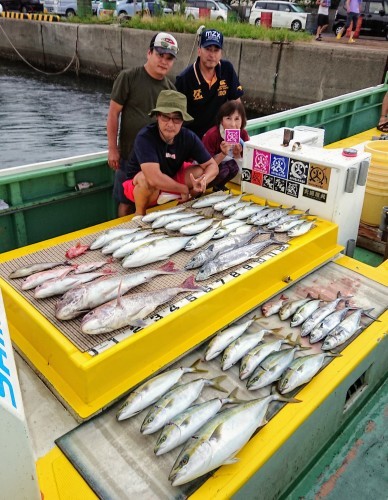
(301, 371)
(225, 231)
(273, 306)
(155, 251)
(233, 258)
(285, 218)
(220, 246)
(272, 368)
(328, 324)
(304, 312)
(113, 245)
(222, 205)
(272, 216)
(58, 286)
(225, 338)
(317, 316)
(344, 331)
(88, 267)
(201, 239)
(251, 219)
(128, 247)
(23, 272)
(218, 441)
(178, 224)
(244, 229)
(287, 226)
(229, 211)
(196, 227)
(301, 228)
(153, 389)
(210, 200)
(247, 211)
(127, 310)
(85, 297)
(186, 424)
(166, 219)
(175, 401)
(158, 213)
(240, 347)
(111, 234)
(290, 308)
(37, 279)
(253, 358)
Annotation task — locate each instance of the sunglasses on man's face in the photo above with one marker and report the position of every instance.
(176, 119)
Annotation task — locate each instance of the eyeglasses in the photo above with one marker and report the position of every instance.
(176, 120)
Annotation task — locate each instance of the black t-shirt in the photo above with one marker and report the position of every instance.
(203, 102)
(149, 147)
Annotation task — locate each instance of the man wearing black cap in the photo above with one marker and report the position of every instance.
(208, 83)
(134, 93)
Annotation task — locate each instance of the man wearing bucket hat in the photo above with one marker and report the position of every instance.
(134, 93)
(159, 154)
(209, 82)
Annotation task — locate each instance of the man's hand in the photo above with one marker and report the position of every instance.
(114, 159)
(199, 183)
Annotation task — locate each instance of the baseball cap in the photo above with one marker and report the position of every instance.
(164, 43)
(211, 37)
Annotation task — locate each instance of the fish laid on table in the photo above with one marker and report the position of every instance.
(196, 227)
(76, 250)
(85, 297)
(128, 310)
(247, 211)
(23, 272)
(175, 401)
(301, 371)
(287, 226)
(285, 218)
(220, 246)
(345, 330)
(244, 229)
(232, 258)
(155, 251)
(240, 347)
(272, 216)
(253, 358)
(158, 213)
(328, 324)
(303, 228)
(225, 338)
(88, 267)
(304, 312)
(113, 245)
(267, 210)
(272, 368)
(224, 231)
(182, 427)
(201, 239)
(218, 441)
(228, 202)
(290, 308)
(153, 389)
(210, 200)
(178, 224)
(166, 219)
(317, 316)
(273, 306)
(126, 249)
(111, 234)
(37, 279)
(58, 286)
(229, 211)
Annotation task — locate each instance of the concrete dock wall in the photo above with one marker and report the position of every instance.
(275, 76)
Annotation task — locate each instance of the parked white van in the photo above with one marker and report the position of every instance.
(218, 10)
(66, 8)
(284, 14)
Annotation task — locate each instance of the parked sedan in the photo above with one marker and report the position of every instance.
(22, 5)
(284, 14)
(374, 15)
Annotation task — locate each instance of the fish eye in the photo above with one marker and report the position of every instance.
(162, 439)
(243, 366)
(184, 460)
(149, 420)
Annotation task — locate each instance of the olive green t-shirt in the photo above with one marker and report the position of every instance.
(137, 92)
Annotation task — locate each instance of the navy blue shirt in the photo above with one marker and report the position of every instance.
(149, 147)
(203, 102)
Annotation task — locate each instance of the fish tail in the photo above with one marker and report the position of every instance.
(367, 312)
(333, 354)
(194, 367)
(169, 267)
(285, 399)
(215, 383)
(189, 284)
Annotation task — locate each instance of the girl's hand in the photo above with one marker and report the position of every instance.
(237, 151)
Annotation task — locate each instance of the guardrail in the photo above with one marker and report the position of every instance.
(31, 17)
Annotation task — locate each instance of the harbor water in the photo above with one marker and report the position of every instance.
(47, 117)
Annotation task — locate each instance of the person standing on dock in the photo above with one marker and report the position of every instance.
(134, 93)
(353, 10)
(208, 83)
(161, 150)
(323, 18)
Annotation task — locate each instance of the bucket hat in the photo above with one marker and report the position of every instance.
(171, 101)
(164, 43)
(211, 37)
